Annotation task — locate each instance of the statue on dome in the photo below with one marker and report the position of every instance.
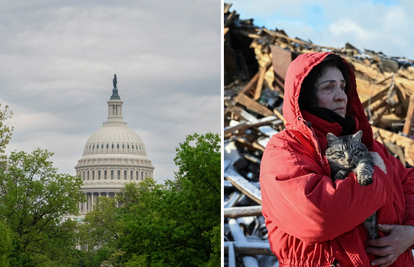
(114, 81)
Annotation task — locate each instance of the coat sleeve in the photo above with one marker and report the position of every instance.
(406, 177)
(300, 200)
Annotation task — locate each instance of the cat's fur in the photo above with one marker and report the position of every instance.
(345, 154)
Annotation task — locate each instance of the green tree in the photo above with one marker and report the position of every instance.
(36, 202)
(5, 130)
(175, 224)
(5, 243)
(98, 234)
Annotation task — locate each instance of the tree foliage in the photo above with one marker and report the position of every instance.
(35, 202)
(98, 234)
(173, 225)
(5, 130)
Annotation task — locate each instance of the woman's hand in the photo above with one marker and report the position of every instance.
(388, 248)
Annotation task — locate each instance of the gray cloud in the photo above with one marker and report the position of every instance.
(58, 62)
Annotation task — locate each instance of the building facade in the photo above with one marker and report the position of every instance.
(113, 156)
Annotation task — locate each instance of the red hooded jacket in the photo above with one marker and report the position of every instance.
(312, 221)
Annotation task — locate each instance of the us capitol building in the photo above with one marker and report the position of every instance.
(113, 156)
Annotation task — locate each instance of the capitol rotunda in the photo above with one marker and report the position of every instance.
(113, 156)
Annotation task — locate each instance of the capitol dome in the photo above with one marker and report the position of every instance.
(113, 156)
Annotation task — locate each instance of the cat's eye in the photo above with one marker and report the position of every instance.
(354, 150)
(340, 152)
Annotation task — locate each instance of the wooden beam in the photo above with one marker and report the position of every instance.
(253, 105)
(259, 85)
(405, 142)
(378, 115)
(236, 212)
(281, 60)
(249, 248)
(409, 119)
(243, 185)
(241, 113)
(250, 85)
(280, 116)
(241, 126)
(376, 97)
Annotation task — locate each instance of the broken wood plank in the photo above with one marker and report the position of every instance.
(385, 79)
(250, 146)
(249, 248)
(232, 256)
(280, 116)
(253, 105)
(405, 142)
(376, 97)
(259, 85)
(232, 200)
(241, 126)
(409, 118)
(378, 115)
(281, 60)
(238, 236)
(230, 19)
(236, 212)
(265, 121)
(250, 85)
(243, 185)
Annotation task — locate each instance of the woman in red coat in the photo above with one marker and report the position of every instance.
(311, 220)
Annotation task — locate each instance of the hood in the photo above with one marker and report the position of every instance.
(296, 73)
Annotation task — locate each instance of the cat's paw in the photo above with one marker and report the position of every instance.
(341, 175)
(364, 179)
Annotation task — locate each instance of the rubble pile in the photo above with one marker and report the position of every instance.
(255, 64)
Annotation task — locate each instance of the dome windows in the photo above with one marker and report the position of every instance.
(112, 174)
(119, 175)
(105, 174)
(125, 175)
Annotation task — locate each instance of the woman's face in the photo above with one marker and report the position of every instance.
(331, 91)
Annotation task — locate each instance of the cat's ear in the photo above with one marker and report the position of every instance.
(358, 136)
(331, 138)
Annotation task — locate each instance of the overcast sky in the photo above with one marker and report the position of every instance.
(58, 59)
(379, 25)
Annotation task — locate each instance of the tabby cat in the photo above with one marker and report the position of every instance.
(345, 154)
